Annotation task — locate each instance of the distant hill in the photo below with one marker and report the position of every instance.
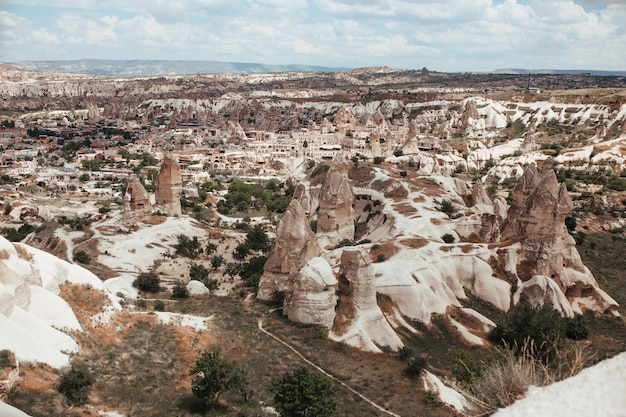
(160, 67)
(557, 71)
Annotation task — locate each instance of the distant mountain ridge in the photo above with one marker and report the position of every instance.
(160, 67)
(558, 71)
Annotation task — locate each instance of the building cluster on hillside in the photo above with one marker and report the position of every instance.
(56, 157)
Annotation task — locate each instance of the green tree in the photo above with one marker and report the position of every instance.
(84, 177)
(180, 291)
(198, 272)
(303, 393)
(525, 323)
(217, 261)
(76, 384)
(212, 376)
(82, 257)
(148, 282)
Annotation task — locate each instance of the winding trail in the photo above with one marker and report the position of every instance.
(301, 356)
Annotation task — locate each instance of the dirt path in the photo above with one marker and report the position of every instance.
(301, 356)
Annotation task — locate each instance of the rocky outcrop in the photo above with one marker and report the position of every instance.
(169, 186)
(360, 322)
(344, 117)
(137, 206)
(536, 218)
(311, 297)
(294, 246)
(335, 217)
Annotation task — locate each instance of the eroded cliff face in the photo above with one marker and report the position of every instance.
(536, 219)
(335, 217)
(294, 246)
(169, 185)
(137, 205)
(499, 253)
(360, 321)
(310, 296)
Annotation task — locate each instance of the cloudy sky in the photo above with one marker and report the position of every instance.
(443, 35)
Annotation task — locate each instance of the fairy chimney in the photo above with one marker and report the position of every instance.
(169, 187)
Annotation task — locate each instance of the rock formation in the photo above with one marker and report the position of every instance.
(294, 246)
(344, 117)
(137, 206)
(311, 296)
(169, 187)
(536, 218)
(359, 321)
(335, 217)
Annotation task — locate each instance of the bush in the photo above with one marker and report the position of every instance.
(147, 282)
(198, 272)
(212, 376)
(379, 160)
(570, 223)
(447, 207)
(159, 305)
(415, 366)
(82, 257)
(303, 393)
(180, 291)
(448, 238)
(541, 326)
(76, 384)
(576, 328)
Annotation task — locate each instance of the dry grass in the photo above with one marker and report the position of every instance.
(4, 255)
(387, 249)
(405, 209)
(508, 378)
(414, 243)
(23, 253)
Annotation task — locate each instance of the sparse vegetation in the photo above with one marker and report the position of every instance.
(76, 384)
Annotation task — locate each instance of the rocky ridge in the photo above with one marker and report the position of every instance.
(521, 249)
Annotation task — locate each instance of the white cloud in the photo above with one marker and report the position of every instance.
(439, 34)
(10, 20)
(41, 35)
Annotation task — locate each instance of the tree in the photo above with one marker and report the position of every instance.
(148, 282)
(198, 272)
(82, 257)
(189, 248)
(217, 261)
(303, 393)
(212, 376)
(211, 248)
(180, 291)
(525, 323)
(84, 177)
(76, 384)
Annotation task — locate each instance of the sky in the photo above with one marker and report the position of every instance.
(441, 35)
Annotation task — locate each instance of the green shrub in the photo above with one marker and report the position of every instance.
(379, 160)
(576, 328)
(198, 272)
(541, 326)
(76, 384)
(180, 291)
(448, 238)
(82, 257)
(447, 207)
(159, 305)
(147, 282)
(570, 223)
(212, 376)
(415, 366)
(303, 393)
